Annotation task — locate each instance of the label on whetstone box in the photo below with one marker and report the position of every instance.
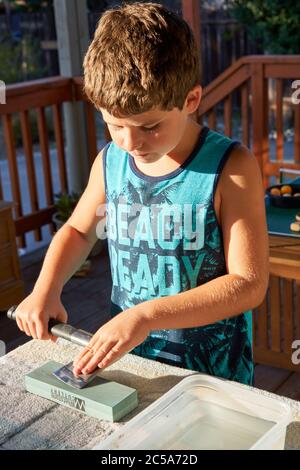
(65, 398)
(68, 399)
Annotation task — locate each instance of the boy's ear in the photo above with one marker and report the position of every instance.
(193, 99)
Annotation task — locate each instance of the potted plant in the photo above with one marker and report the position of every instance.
(65, 203)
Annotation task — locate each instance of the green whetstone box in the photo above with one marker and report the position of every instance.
(101, 398)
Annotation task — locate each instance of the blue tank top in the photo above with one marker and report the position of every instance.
(164, 238)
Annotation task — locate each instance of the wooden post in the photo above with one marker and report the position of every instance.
(191, 14)
(260, 104)
(73, 39)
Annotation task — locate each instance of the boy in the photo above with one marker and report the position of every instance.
(185, 210)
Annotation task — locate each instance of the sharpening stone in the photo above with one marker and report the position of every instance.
(102, 399)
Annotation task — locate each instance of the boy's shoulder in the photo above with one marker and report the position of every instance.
(241, 160)
(241, 169)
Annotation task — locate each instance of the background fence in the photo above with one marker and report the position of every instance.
(223, 40)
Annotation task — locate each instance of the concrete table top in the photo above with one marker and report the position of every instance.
(28, 421)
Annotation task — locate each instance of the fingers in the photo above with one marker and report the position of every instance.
(41, 330)
(36, 326)
(32, 329)
(62, 316)
(20, 324)
(82, 358)
(37, 329)
(98, 355)
(23, 326)
(110, 357)
(86, 361)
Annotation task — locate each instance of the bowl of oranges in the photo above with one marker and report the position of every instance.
(284, 195)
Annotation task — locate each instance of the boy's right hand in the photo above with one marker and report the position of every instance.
(34, 312)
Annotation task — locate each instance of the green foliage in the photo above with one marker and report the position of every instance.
(274, 23)
(10, 62)
(65, 204)
(28, 5)
(21, 60)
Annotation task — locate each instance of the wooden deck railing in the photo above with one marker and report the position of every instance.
(248, 83)
(36, 97)
(276, 322)
(21, 98)
(238, 96)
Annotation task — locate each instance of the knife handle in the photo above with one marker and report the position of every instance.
(61, 330)
(11, 314)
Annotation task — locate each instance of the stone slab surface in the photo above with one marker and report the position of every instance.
(28, 421)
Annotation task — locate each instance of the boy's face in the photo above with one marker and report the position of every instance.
(151, 135)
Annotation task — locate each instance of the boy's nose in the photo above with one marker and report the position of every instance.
(132, 141)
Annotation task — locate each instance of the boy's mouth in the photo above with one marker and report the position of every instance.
(140, 154)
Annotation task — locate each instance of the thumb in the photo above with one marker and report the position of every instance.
(62, 316)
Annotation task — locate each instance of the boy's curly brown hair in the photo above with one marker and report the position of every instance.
(142, 56)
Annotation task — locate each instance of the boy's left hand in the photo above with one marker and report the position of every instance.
(117, 337)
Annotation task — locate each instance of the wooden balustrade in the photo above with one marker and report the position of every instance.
(237, 96)
(36, 97)
(247, 82)
(276, 324)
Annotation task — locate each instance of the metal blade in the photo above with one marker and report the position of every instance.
(65, 374)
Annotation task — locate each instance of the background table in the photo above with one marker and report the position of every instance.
(283, 242)
(276, 322)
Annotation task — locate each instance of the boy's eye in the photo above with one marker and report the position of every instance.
(151, 129)
(145, 129)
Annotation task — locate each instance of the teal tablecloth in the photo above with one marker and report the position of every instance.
(279, 219)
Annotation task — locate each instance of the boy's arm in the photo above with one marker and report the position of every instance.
(246, 251)
(68, 249)
(245, 241)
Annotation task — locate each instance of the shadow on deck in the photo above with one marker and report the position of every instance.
(87, 303)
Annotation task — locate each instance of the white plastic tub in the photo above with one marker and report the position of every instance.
(203, 412)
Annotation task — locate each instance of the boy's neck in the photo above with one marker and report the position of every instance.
(177, 157)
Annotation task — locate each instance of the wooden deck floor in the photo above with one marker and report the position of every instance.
(87, 303)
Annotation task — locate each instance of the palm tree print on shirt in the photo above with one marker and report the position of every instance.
(214, 349)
